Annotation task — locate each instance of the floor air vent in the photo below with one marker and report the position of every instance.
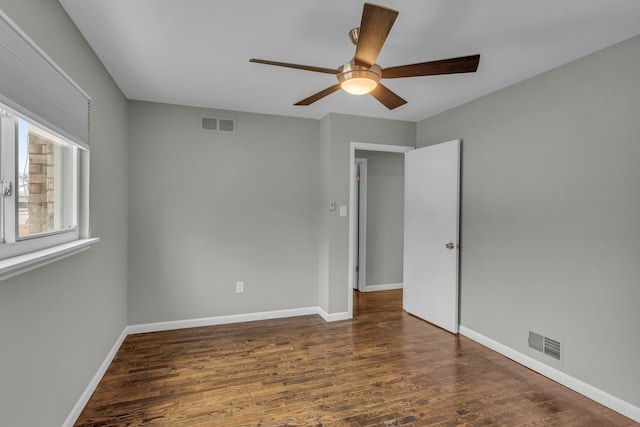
(548, 346)
(219, 124)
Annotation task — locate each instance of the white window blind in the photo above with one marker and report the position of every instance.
(33, 85)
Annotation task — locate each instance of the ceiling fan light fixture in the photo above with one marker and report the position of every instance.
(359, 85)
(358, 80)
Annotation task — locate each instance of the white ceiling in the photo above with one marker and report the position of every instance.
(196, 52)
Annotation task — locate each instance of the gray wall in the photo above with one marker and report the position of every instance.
(385, 217)
(342, 130)
(207, 210)
(550, 211)
(323, 219)
(58, 322)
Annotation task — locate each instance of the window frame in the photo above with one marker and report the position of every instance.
(11, 244)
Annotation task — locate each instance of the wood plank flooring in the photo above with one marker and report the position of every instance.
(383, 368)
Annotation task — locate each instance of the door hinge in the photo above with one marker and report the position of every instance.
(357, 177)
(6, 188)
(357, 268)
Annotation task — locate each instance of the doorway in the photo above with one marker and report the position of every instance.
(379, 194)
(353, 197)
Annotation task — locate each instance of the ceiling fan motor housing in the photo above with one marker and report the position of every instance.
(358, 79)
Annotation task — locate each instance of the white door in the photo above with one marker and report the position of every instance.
(431, 227)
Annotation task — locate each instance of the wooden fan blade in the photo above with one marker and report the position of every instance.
(374, 28)
(387, 97)
(297, 66)
(313, 98)
(464, 64)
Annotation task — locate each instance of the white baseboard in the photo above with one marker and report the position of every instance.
(220, 320)
(332, 317)
(385, 287)
(91, 387)
(602, 397)
(188, 323)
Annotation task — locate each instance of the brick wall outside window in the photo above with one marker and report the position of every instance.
(40, 202)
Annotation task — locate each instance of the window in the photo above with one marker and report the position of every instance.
(46, 177)
(44, 157)
(39, 175)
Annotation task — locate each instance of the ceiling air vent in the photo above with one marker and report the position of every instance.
(209, 123)
(219, 124)
(227, 125)
(548, 346)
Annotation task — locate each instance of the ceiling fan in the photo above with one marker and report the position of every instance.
(362, 75)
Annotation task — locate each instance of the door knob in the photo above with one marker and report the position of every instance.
(451, 245)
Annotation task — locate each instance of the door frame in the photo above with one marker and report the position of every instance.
(387, 148)
(361, 229)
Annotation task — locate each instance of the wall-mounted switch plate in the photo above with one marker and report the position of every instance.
(332, 205)
(343, 210)
(239, 287)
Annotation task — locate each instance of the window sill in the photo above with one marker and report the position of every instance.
(13, 266)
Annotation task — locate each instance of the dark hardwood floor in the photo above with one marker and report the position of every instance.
(383, 368)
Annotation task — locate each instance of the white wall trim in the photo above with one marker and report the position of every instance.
(220, 320)
(383, 287)
(602, 397)
(360, 208)
(333, 317)
(91, 387)
(10, 267)
(388, 148)
(233, 318)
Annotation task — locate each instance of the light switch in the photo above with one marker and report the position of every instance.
(343, 210)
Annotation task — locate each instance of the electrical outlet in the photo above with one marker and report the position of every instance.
(239, 287)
